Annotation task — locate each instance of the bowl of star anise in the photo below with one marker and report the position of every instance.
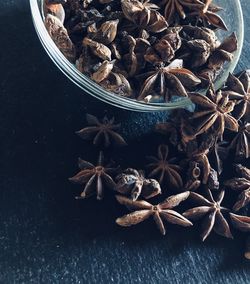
(142, 55)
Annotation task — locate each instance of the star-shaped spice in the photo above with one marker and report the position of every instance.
(164, 169)
(238, 89)
(102, 132)
(212, 111)
(241, 142)
(241, 223)
(160, 212)
(211, 211)
(134, 183)
(168, 81)
(241, 184)
(207, 15)
(144, 14)
(174, 7)
(94, 178)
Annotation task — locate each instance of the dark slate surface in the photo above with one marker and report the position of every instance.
(45, 235)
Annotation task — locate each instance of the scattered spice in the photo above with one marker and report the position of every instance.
(167, 171)
(160, 212)
(134, 183)
(102, 132)
(94, 178)
(156, 51)
(247, 252)
(211, 210)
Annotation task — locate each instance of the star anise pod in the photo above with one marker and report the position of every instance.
(160, 212)
(241, 142)
(211, 211)
(144, 14)
(177, 7)
(165, 170)
(212, 111)
(135, 184)
(197, 151)
(241, 223)
(238, 89)
(165, 48)
(102, 132)
(223, 53)
(134, 60)
(241, 184)
(94, 178)
(168, 81)
(207, 15)
(60, 36)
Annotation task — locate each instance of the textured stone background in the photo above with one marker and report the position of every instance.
(45, 235)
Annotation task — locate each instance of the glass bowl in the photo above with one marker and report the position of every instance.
(232, 15)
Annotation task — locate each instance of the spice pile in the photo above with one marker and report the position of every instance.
(199, 150)
(165, 48)
(141, 49)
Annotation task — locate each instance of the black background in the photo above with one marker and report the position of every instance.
(45, 235)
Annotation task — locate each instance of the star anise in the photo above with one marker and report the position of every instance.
(160, 212)
(102, 132)
(165, 48)
(238, 89)
(174, 7)
(94, 178)
(207, 15)
(134, 183)
(164, 169)
(241, 184)
(211, 211)
(212, 111)
(197, 151)
(241, 223)
(241, 142)
(168, 81)
(144, 14)
(60, 36)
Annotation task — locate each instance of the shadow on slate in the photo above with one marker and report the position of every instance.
(46, 236)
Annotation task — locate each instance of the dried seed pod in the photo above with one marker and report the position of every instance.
(107, 32)
(56, 10)
(241, 223)
(98, 49)
(60, 36)
(103, 71)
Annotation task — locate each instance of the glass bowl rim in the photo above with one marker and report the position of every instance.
(93, 89)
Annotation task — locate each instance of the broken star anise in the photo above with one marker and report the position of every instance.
(94, 178)
(241, 142)
(102, 132)
(211, 210)
(168, 81)
(212, 111)
(238, 89)
(164, 169)
(241, 223)
(160, 212)
(134, 183)
(241, 184)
